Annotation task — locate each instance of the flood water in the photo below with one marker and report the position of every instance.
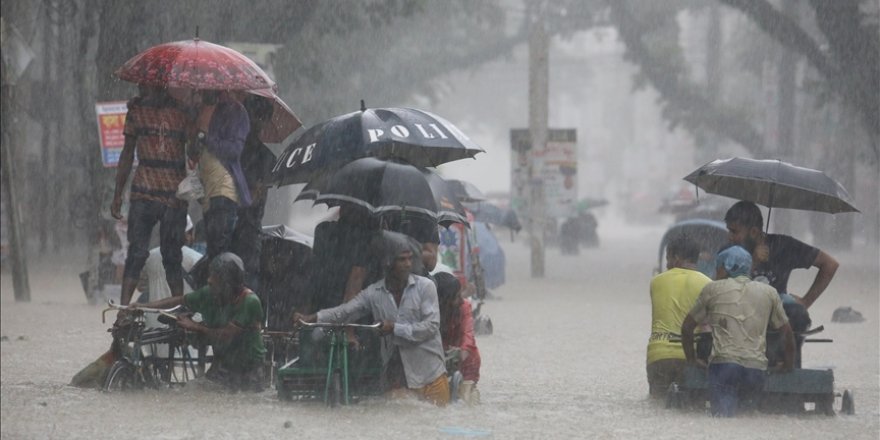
(566, 361)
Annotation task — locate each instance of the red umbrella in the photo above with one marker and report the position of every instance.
(194, 64)
(283, 122)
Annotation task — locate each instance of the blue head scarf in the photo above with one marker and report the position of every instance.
(735, 260)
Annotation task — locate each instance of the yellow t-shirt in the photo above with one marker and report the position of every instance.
(216, 179)
(673, 294)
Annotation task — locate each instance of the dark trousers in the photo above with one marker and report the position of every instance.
(730, 384)
(247, 244)
(142, 217)
(663, 373)
(220, 222)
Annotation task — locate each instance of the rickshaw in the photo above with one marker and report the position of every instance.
(327, 368)
(789, 392)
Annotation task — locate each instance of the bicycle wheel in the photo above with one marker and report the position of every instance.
(121, 377)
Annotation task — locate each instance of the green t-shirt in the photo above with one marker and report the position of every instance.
(244, 351)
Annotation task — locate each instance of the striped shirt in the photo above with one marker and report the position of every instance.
(160, 133)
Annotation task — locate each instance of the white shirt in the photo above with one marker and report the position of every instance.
(157, 282)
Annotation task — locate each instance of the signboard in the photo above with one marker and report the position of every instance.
(111, 122)
(555, 165)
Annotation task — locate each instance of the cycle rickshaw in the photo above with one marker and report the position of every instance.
(151, 357)
(785, 392)
(328, 369)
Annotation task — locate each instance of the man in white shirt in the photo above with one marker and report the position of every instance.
(153, 285)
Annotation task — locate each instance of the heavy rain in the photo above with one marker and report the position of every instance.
(568, 159)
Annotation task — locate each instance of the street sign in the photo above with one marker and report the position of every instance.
(111, 122)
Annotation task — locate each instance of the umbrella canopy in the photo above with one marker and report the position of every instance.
(449, 207)
(283, 121)
(284, 233)
(466, 191)
(194, 64)
(377, 185)
(415, 136)
(772, 183)
(489, 213)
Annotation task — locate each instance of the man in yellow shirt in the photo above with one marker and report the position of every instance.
(673, 293)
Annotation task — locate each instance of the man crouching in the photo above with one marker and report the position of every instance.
(231, 320)
(407, 307)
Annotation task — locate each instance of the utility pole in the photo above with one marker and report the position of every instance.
(786, 80)
(539, 72)
(20, 283)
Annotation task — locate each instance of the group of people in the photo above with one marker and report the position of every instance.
(375, 269)
(748, 298)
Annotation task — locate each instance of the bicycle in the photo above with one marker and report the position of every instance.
(304, 376)
(139, 364)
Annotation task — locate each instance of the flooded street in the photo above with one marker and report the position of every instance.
(566, 361)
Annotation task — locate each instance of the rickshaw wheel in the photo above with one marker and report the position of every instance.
(121, 377)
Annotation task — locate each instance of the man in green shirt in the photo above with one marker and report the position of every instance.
(231, 321)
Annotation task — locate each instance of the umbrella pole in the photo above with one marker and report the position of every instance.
(767, 226)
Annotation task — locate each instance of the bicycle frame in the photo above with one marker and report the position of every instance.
(338, 356)
(137, 337)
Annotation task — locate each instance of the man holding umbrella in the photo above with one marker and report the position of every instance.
(776, 255)
(223, 126)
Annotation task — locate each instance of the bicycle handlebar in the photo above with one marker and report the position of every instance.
(375, 326)
(113, 306)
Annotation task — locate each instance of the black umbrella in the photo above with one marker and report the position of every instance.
(489, 213)
(449, 207)
(416, 136)
(772, 183)
(377, 185)
(466, 191)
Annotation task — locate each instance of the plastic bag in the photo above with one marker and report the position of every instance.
(190, 188)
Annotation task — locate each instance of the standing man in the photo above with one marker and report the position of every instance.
(407, 307)
(673, 293)
(739, 311)
(223, 126)
(256, 162)
(156, 128)
(152, 283)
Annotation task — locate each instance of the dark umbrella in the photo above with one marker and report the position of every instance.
(449, 207)
(489, 213)
(772, 183)
(377, 185)
(415, 136)
(466, 191)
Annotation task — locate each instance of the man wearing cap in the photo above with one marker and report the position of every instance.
(739, 311)
(231, 321)
(407, 307)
